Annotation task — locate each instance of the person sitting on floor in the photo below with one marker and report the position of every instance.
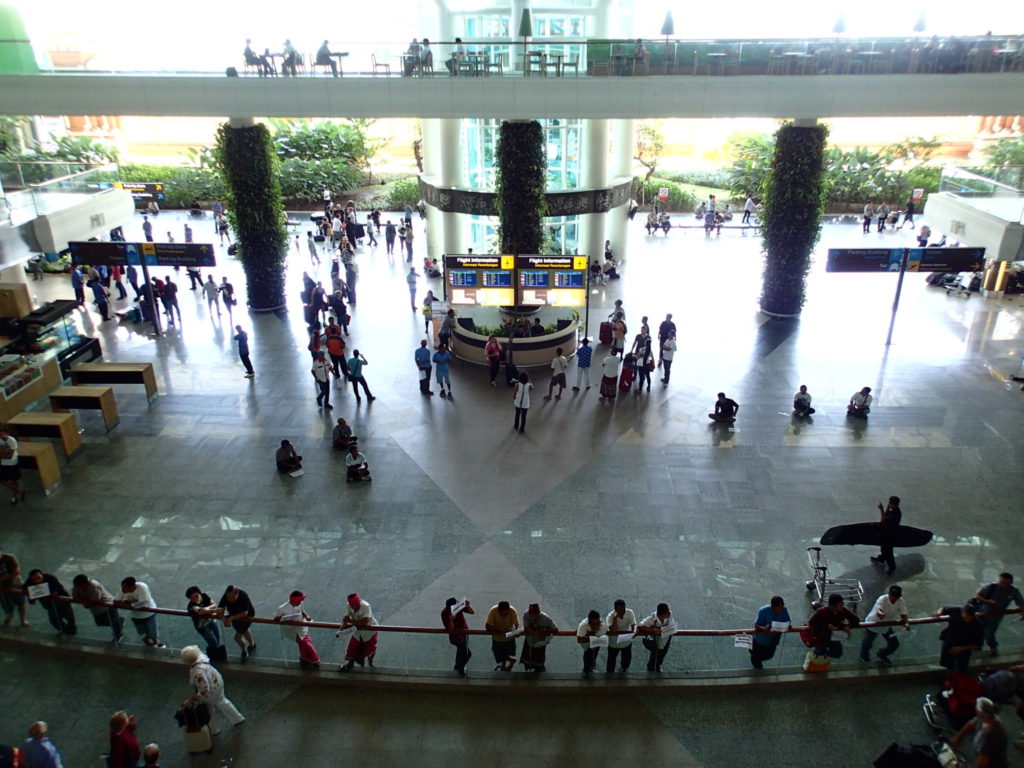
(860, 403)
(287, 459)
(341, 436)
(725, 410)
(802, 402)
(356, 466)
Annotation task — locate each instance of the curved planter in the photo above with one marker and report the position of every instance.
(529, 352)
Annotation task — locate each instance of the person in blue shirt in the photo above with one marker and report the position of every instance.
(441, 359)
(422, 356)
(583, 357)
(38, 751)
(995, 597)
(99, 293)
(764, 640)
(147, 229)
(78, 284)
(355, 375)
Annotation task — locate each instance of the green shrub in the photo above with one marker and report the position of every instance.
(400, 192)
(303, 181)
(718, 179)
(183, 184)
(679, 199)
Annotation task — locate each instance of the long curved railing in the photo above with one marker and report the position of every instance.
(402, 653)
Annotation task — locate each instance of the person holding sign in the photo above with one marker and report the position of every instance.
(503, 624)
(593, 634)
(362, 645)
(538, 628)
(771, 621)
(658, 629)
(888, 607)
(61, 615)
(453, 618)
(622, 621)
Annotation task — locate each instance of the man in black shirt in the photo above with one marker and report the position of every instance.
(725, 410)
(237, 608)
(890, 522)
(963, 635)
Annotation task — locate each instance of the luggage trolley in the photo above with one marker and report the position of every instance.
(850, 589)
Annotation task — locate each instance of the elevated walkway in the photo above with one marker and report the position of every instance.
(775, 96)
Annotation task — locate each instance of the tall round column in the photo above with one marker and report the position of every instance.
(616, 220)
(594, 176)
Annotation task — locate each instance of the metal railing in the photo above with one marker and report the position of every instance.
(402, 651)
(998, 190)
(554, 56)
(55, 192)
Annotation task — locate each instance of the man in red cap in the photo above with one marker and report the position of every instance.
(294, 611)
(363, 644)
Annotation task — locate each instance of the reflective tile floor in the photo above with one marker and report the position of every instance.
(641, 500)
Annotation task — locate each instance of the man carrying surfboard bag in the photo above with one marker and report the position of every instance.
(891, 517)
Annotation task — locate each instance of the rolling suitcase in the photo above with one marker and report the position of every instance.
(606, 333)
(626, 379)
(199, 739)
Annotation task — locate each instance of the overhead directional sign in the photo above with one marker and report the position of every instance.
(918, 260)
(143, 192)
(153, 254)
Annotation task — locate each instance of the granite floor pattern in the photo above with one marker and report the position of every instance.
(640, 499)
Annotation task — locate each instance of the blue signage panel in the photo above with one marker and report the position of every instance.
(918, 260)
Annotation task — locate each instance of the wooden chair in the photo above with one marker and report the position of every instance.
(426, 68)
(384, 66)
(573, 63)
(498, 63)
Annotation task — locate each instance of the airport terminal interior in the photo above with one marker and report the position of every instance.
(642, 498)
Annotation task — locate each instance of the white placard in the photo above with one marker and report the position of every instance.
(669, 628)
(459, 607)
(346, 633)
(836, 636)
(743, 641)
(297, 473)
(599, 642)
(627, 638)
(292, 617)
(141, 604)
(36, 591)
(780, 626)
(513, 633)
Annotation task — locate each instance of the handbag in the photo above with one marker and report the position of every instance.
(650, 643)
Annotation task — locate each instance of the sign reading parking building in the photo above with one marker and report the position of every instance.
(152, 254)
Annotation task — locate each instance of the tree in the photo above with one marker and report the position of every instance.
(417, 145)
(1006, 152)
(753, 152)
(650, 143)
(520, 186)
(12, 128)
(365, 148)
(328, 141)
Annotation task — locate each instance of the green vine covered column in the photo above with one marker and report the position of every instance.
(794, 199)
(520, 182)
(255, 210)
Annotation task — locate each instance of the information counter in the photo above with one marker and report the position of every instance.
(527, 352)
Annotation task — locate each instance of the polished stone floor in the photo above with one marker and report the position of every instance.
(641, 500)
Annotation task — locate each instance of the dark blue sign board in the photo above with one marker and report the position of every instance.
(153, 254)
(918, 260)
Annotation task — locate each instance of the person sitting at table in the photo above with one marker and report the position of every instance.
(411, 57)
(287, 459)
(252, 60)
(640, 52)
(324, 58)
(291, 59)
(426, 55)
(457, 56)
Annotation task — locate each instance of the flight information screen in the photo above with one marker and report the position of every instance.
(481, 281)
(552, 281)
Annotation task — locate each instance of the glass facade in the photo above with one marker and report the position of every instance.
(480, 139)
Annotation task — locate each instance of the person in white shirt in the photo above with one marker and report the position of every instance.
(668, 352)
(860, 403)
(10, 472)
(888, 607)
(295, 611)
(621, 620)
(609, 377)
(212, 293)
(208, 684)
(362, 646)
(457, 56)
(356, 466)
(658, 628)
(869, 213)
(802, 402)
(521, 401)
(321, 372)
(136, 594)
(559, 365)
(592, 626)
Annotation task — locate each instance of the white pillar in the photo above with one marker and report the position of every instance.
(621, 171)
(452, 175)
(432, 160)
(594, 176)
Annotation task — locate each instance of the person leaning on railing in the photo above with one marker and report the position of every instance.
(97, 599)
